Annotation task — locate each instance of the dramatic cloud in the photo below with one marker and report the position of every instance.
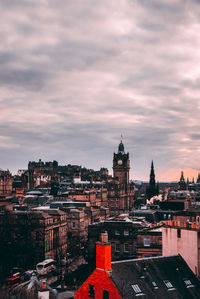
(76, 74)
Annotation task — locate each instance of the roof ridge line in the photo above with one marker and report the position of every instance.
(145, 258)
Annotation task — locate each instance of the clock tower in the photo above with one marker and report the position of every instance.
(121, 165)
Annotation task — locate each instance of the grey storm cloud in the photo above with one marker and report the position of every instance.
(75, 75)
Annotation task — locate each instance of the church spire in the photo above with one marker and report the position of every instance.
(152, 188)
(152, 174)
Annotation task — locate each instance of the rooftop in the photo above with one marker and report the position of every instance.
(156, 277)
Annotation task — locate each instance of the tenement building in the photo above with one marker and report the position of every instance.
(120, 191)
(28, 237)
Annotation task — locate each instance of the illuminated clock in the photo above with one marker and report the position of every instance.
(119, 162)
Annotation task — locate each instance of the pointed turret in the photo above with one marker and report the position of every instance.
(121, 148)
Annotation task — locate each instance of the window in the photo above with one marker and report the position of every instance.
(188, 283)
(117, 247)
(105, 294)
(169, 285)
(126, 232)
(137, 289)
(126, 247)
(91, 291)
(178, 233)
(37, 236)
(146, 241)
(117, 233)
(73, 225)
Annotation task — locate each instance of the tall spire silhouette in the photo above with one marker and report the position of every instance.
(153, 188)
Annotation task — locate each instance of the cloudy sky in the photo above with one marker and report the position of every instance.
(76, 74)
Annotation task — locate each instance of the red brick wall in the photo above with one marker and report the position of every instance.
(101, 281)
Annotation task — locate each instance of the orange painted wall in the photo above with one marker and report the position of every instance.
(101, 280)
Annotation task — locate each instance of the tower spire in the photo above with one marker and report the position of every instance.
(182, 183)
(121, 148)
(152, 174)
(153, 188)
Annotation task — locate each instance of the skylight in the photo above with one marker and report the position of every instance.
(154, 285)
(169, 285)
(188, 283)
(137, 289)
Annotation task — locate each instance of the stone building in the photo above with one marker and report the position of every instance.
(44, 173)
(29, 237)
(122, 234)
(149, 242)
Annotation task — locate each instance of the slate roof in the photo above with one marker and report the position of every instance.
(157, 277)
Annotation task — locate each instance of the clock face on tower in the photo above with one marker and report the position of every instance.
(119, 162)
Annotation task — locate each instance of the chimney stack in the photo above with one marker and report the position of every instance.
(103, 253)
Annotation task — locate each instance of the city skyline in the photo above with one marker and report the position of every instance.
(75, 76)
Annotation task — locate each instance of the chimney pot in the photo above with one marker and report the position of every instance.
(104, 237)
